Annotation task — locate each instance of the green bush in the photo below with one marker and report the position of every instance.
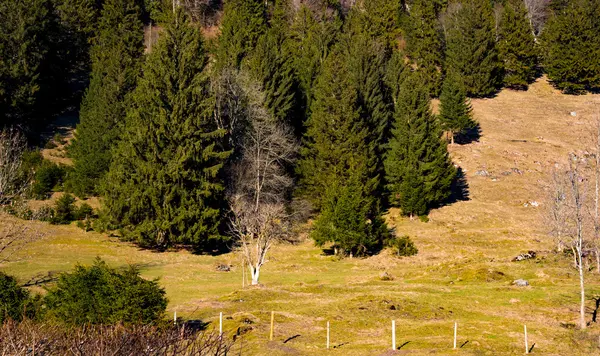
(64, 210)
(48, 177)
(404, 246)
(84, 211)
(101, 295)
(13, 298)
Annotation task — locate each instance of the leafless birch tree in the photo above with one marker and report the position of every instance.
(259, 184)
(537, 11)
(596, 207)
(570, 226)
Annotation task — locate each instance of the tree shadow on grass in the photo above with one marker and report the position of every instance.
(459, 189)
(469, 135)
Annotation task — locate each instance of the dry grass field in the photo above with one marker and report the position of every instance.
(463, 272)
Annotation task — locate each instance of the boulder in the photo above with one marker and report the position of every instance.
(525, 256)
(521, 283)
(223, 268)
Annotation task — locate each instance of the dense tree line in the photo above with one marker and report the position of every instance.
(163, 131)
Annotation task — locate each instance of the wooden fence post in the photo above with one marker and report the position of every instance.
(220, 323)
(393, 334)
(526, 341)
(455, 332)
(272, 322)
(328, 335)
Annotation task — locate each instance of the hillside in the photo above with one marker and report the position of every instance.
(463, 271)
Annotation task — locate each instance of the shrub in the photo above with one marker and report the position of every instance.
(404, 246)
(64, 210)
(101, 295)
(48, 176)
(19, 209)
(21, 338)
(13, 298)
(84, 211)
(44, 213)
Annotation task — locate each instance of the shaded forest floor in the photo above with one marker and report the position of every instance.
(463, 271)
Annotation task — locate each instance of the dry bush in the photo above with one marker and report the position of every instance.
(27, 337)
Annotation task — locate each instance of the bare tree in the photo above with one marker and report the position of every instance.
(259, 184)
(14, 236)
(537, 11)
(13, 181)
(567, 211)
(556, 215)
(596, 207)
(203, 11)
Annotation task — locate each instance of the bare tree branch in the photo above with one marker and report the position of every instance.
(13, 181)
(259, 184)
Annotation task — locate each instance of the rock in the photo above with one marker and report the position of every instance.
(534, 204)
(521, 283)
(517, 171)
(223, 268)
(525, 256)
(386, 277)
(482, 173)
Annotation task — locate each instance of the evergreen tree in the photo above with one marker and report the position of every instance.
(163, 186)
(312, 37)
(396, 72)
(271, 63)
(365, 58)
(244, 21)
(116, 56)
(418, 169)
(516, 45)
(455, 108)
(23, 50)
(347, 220)
(571, 42)
(471, 48)
(380, 19)
(335, 139)
(425, 44)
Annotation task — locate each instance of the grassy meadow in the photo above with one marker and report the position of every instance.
(463, 272)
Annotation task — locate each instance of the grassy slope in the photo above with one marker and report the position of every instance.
(462, 273)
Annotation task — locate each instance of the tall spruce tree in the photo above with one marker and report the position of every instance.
(116, 63)
(23, 50)
(455, 108)
(244, 21)
(366, 57)
(571, 42)
(272, 64)
(418, 169)
(163, 186)
(516, 45)
(313, 35)
(335, 139)
(425, 44)
(471, 48)
(396, 72)
(380, 19)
